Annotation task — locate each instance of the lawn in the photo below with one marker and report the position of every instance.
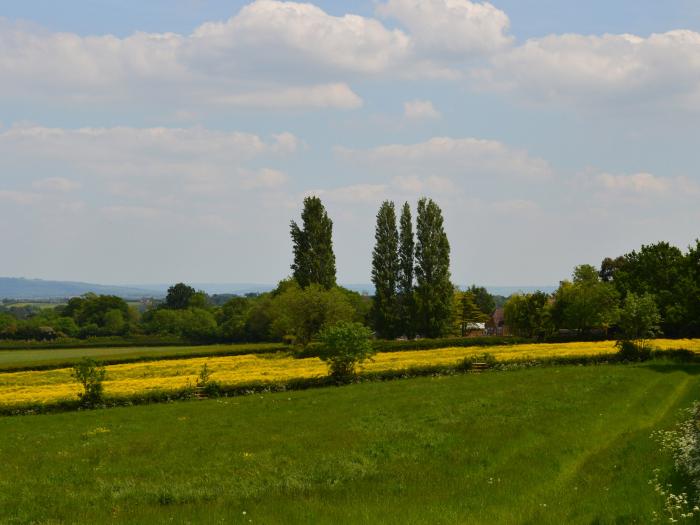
(545, 445)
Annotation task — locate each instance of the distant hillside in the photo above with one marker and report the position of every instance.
(35, 289)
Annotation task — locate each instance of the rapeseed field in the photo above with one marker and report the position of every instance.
(134, 379)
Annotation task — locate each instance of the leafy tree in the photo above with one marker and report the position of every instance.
(406, 299)
(586, 303)
(483, 299)
(639, 317)
(344, 345)
(232, 318)
(434, 291)
(661, 270)
(385, 273)
(529, 315)
(179, 296)
(91, 376)
(314, 261)
(466, 311)
(114, 322)
(303, 312)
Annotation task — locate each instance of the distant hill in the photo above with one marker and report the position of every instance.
(36, 289)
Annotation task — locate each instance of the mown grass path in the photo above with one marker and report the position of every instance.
(549, 445)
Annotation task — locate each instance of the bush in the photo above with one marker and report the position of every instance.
(344, 346)
(90, 375)
(633, 350)
(468, 362)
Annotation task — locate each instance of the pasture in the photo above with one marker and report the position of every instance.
(540, 445)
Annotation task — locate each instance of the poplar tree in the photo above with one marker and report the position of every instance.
(385, 272)
(434, 291)
(406, 303)
(314, 261)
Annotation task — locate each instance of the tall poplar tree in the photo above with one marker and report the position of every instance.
(385, 272)
(434, 291)
(314, 261)
(406, 301)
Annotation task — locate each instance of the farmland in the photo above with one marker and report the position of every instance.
(539, 445)
(36, 388)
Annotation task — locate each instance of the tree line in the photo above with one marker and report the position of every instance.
(658, 282)
(414, 295)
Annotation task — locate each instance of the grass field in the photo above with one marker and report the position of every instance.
(34, 388)
(57, 357)
(546, 445)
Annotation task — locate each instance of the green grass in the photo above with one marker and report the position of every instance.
(37, 359)
(543, 445)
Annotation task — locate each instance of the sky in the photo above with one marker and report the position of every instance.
(174, 140)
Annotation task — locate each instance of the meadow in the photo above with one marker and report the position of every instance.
(154, 378)
(538, 445)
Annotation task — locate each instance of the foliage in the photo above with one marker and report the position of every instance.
(405, 285)
(314, 260)
(91, 376)
(343, 346)
(303, 312)
(633, 350)
(529, 315)
(466, 312)
(179, 296)
(586, 303)
(468, 362)
(483, 299)
(639, 317)
(385, 273)
(434, 291)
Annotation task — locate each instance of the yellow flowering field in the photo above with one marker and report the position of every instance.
(50, 386)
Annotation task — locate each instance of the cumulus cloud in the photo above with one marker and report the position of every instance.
(466, 157)
(637, 182)
(160, 168)
(420, 109)
(454, 27)
(338, 96)
(621, 69)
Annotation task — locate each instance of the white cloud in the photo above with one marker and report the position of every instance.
(638, 183)
(466, 158)
(420, 109)
(265, 178)
(338, 96)
(454, 27)
(58, 184)
(415, 185)
(20, 197)
(610, 70)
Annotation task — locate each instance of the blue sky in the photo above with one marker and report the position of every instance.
(162, 141)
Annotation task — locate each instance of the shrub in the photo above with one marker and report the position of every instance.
(90, 375)
(344, 346)
(633, 350)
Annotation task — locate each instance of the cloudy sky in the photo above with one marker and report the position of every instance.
(150, 142)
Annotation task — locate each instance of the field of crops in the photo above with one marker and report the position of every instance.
(538, 446)
(129, 380)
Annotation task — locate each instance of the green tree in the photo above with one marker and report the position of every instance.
(344, 345)
(91, 376)
(385, 273)
(314, 261)
(179, 296)
(483, 299)
(406, 298)
(114, 322)
(303, 312)
(639, 317)
(587, 302)
(529, 315)
(466, 312)
(434, 291)
(233, 317)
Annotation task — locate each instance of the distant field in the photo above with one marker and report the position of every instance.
(537, 446)
(52, 357)
(131, 380)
